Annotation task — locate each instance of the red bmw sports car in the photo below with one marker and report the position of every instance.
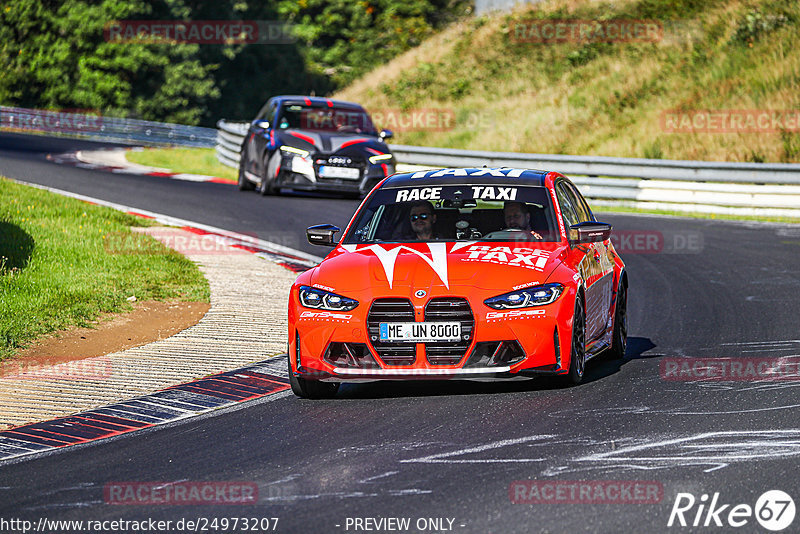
(459, 273)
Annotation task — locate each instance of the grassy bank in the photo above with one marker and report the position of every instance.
(606, 99)
(183, 160)
(623, 209)
(57, 269)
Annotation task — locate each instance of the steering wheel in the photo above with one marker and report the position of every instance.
(514, 232)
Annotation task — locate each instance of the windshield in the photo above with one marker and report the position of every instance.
(469, 212)
(326, 119)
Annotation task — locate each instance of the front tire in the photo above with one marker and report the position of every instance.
(311, 389)
(244, 184)
(270, 175)
(577, 357)
(619, 340)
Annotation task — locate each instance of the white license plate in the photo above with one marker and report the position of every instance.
(420, 332)
(350, 173)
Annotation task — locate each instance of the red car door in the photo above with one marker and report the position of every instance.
(589, 261)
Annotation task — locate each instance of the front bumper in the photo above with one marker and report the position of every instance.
(481, 373)
(370, 175)
(543, 341)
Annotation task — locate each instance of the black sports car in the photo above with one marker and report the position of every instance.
(314, 144)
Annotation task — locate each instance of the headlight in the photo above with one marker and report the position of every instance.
(311, 297)
(526, 298)
(379, 158)
(293, 150)
(299, 161)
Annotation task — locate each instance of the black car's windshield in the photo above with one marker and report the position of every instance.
(456, 213)
(326, 119)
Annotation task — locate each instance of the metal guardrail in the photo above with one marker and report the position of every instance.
(89, 126)
(771, 189)
(230, 136)
(661, 169)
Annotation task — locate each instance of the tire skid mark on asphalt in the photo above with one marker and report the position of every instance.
(450, 457)
(707, 451)
(165, 406)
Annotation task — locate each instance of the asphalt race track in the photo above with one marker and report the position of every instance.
(453, 450)
(272, 219)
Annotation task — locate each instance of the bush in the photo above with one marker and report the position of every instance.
(755, 25)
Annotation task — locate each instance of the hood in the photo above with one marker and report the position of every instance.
(403, 267)
(331, 142)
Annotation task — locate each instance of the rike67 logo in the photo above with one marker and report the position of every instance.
(774, 510)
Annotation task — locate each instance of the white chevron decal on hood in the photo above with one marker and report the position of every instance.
(388, 258)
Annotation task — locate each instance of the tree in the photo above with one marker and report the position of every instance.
(55, 56)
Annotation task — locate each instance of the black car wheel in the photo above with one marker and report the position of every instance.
(311, 389)
(269, 176)
(244, 184)
(619, 341)
(577, 357)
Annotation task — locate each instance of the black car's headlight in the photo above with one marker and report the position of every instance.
(380, 158)
(295, 151)
(311, 297)
(526, 298)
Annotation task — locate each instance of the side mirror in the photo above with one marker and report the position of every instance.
(322, 234)
(386, 134)
(262, 124)
(589, 232)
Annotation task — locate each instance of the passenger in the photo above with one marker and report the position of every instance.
(422, 220)
(517, 217)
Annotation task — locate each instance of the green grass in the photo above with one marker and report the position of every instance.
(599, 210)
(604, 99)
(183, 160)
(56, 270)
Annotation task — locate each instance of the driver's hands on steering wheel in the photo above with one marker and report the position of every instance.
(534, 233)
(531, 232)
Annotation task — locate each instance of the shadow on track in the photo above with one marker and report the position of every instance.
(595, 370)
(601, 368)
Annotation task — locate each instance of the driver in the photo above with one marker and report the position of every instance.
(517, 217)
(422, 220)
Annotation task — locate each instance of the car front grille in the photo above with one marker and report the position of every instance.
(442, 309)
(349, 162)
(341, 161)
(391, 310)
(449, 309)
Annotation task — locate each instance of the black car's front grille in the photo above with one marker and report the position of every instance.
(449, 309)
(340, 161)
(391, 310)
